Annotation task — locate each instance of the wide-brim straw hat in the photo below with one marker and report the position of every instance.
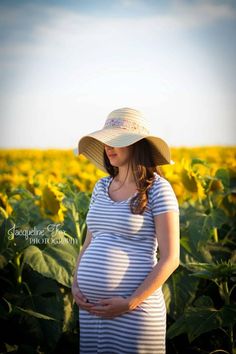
(123, 127)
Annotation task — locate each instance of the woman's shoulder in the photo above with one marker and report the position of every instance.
(159, 182)
(162, 195)
(99, 188)
(161, 187)
(101, 183)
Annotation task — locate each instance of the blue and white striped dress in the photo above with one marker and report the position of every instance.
(121, 254)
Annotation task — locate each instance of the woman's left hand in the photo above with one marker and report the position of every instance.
(111, 307)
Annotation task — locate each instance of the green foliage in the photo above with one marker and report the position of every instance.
(199, 294)
(37, 261)
(202, 319)
(55, 261)
(77, 204)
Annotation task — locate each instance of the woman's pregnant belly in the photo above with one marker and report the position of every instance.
(107, 269)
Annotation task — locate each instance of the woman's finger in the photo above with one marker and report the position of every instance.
(83, 304)
(100, 309)
(80, 297)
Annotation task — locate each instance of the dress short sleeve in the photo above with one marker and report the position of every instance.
(163, 197)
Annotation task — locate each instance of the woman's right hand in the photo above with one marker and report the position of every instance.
(80, 299)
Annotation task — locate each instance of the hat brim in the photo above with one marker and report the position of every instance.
(92, 145)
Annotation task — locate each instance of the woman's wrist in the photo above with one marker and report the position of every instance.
(132, 302)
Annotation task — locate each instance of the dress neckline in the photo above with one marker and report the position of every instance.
(109, 180)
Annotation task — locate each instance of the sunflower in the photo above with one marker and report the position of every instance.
(5, 205)
(191, 181)
(52, 202)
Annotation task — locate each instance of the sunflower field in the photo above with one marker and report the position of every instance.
(44, 199)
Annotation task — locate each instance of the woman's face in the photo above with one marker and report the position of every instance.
(118, 156)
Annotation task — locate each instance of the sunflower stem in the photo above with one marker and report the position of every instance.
(215, 234)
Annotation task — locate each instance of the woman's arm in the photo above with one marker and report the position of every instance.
(80, 299)
(167, 232)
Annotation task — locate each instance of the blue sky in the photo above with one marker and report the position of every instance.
(65, 65)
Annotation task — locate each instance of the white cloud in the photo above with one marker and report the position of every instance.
(202, 12)
(77, 68)
(180, 13)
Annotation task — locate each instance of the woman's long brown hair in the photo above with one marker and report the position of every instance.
(143, 168)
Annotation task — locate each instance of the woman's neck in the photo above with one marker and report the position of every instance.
(123, 177)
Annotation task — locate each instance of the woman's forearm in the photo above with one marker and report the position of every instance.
(160, 273)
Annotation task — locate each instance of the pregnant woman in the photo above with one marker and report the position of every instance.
(133, 213)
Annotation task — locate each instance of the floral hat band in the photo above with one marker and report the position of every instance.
(129, 125)
(123, 127)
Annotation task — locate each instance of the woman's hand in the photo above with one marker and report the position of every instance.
(80, 299)
(111, 307)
